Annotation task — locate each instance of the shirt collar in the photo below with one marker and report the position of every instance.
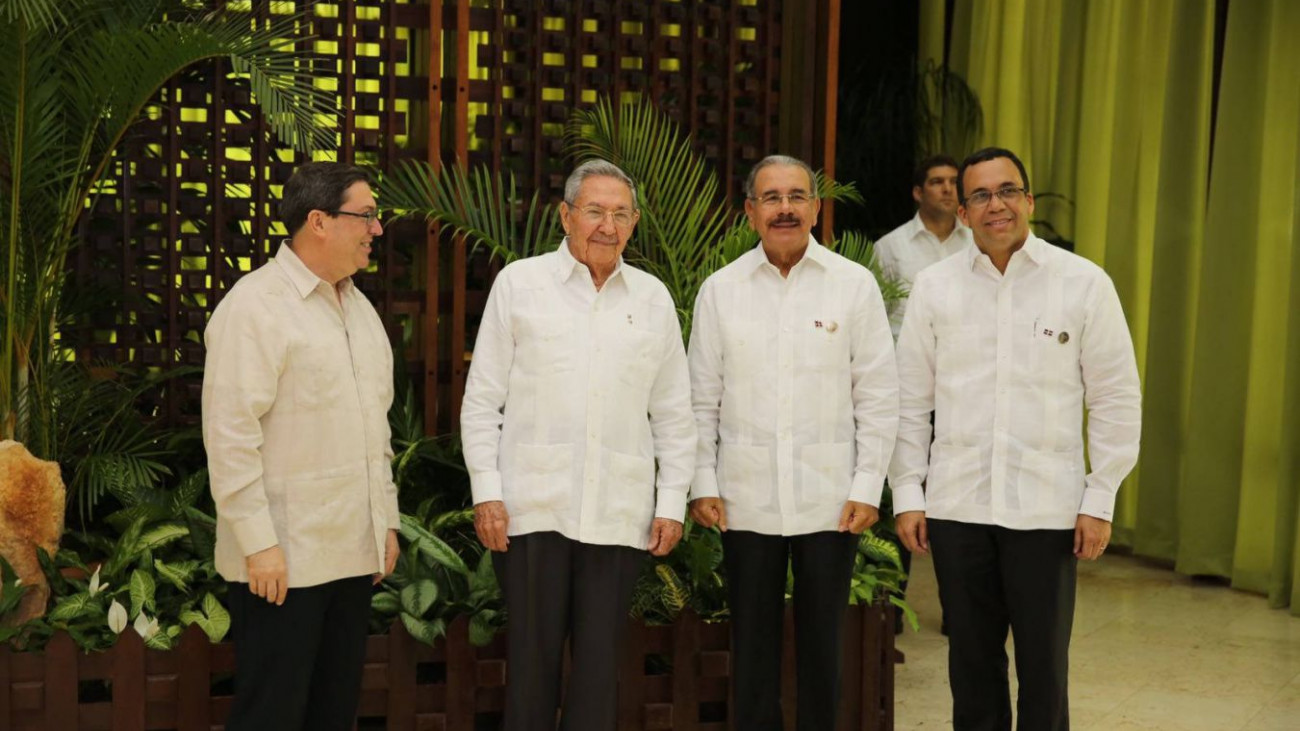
(916, 226)
(755, 258)
(1034, 248)
(566, 265)
(303, 279)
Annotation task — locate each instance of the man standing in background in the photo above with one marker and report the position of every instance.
(296, 390)
(1007, 343)
(933, 234)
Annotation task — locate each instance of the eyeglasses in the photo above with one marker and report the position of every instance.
(595, 215)
(369, 216)
(773, 200)
(1008, 193)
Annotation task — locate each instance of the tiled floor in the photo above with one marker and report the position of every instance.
(1152, 650)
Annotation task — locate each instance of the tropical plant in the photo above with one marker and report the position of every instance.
(156, 575)
(433, 584)
(77, 75)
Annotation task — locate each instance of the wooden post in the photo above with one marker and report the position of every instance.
(400, 674)
(462, 676)
(61, 683)
(128, 682)
(194, 681)
(686, 664)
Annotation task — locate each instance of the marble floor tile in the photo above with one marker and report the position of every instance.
(1152, 651)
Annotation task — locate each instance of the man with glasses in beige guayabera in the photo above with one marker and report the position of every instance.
(796, 402)
(1006, 343)
(577, 386)
(296, 390)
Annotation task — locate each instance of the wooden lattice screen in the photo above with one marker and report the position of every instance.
(190, 205)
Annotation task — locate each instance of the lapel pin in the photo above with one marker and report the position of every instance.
(817, 323)
(1063, 338)
(832, 326)
(629, 318)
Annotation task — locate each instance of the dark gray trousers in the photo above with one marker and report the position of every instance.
(557, 588)
(822, 564)
(992, 579)
(298, 665)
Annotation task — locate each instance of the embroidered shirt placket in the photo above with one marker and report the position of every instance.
(1002, 399)
(785, 388)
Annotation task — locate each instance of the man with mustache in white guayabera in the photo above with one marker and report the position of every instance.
(1006, 343)
(796, 401)
(296, 390)
(577, 386)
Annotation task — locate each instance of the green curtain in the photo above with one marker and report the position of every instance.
(1109, 102)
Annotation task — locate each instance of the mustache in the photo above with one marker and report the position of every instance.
(786, 218)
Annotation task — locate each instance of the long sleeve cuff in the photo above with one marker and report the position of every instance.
(485, 486)
(670, 504)
(254, 533)
(908, 498)
(1099, 503)
(867, 488)
(705, 485)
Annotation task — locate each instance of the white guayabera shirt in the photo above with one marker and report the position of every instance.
(908, 249)
(572, 395)
(296, 391)
(795, 392)
(1007, 363)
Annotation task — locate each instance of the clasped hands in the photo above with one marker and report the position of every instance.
(491, 521)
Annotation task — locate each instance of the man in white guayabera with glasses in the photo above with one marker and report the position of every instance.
(578, 385)
(1006, 343)
(296, 390)
(796, 400)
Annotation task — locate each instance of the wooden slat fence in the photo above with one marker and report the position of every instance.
(674, 677)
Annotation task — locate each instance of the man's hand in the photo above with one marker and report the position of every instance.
(490, 523)
(391, 552)
(664, 535)
(708, 512)
(910, 527)
(1091, 536)
(857, 517)
(268, 575)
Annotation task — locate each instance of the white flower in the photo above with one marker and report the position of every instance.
(95, 586)
(117, 617)
(144, 626)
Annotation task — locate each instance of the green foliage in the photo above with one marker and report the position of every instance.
(433, 583)
(78, 74)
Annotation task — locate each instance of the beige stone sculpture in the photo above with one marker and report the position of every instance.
(32, 498)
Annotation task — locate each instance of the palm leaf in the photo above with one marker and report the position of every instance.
(853, 246)
(480, 205)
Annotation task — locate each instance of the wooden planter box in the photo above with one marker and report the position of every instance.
(675, 677)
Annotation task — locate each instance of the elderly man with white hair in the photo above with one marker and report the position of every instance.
(578, 385)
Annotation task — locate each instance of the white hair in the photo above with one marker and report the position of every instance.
(600, 168)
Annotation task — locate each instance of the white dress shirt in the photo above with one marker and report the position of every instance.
(795, 392)
(1007, 363)
(908, 249)
(572, 394)
(296, 390)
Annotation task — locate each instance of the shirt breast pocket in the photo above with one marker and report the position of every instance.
(317, 375)
(638, 357)
(742, 349)
(1054, 349)
(545, 343)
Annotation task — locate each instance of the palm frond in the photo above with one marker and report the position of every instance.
(480, 205)
(854, 246)
(683, 215)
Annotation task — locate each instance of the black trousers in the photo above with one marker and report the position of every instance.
(298, 665)
(756, 571)
(554, 588)
(991, 579)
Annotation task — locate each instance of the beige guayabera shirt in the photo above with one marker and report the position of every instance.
(296, 392)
